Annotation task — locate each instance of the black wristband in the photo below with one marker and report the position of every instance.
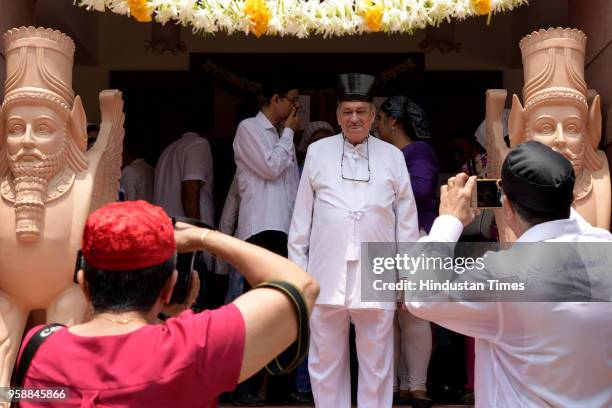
(289, 359)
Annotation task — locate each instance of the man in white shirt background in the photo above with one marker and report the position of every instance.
(137, 177)
(184, 179)
(184, 188)
(266, 168)
(541, 354)
(266, 178)
(354, 188)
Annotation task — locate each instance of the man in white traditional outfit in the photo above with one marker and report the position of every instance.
(550, 353)
(354, 188)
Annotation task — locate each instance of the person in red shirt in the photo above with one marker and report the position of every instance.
(122, 358)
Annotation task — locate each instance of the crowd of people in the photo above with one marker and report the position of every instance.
(303, 222)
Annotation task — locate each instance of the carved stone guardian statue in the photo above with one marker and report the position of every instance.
(48, 182)
(557, 113)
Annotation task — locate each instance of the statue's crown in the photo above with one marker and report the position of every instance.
(39, 66)
(553, 65)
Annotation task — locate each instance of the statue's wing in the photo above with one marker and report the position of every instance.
(496, 147)
(105, 155)
(497, 150)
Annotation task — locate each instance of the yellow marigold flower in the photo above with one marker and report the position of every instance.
(373, 16)
(140, 10)
(483, 7)
(259, 15)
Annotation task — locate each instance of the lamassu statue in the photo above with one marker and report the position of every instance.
(559, 111)
(48, 181)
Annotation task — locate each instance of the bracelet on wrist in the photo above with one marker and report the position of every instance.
(203, 237)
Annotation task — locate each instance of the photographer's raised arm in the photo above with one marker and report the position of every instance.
(269, 316)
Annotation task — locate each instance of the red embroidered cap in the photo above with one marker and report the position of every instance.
(128, 235)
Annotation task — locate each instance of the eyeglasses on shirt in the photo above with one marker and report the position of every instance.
(367, 157)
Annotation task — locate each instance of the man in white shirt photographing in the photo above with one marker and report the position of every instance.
(531, 354)
(354, 188)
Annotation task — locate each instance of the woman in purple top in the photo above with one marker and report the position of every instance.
(404, 124)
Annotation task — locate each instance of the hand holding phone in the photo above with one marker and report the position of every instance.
(487, 194)
(455, 198)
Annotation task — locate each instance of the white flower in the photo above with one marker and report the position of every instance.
(185, 11)
(118, 7)
(204, 21)
(461, 10)
(223, 16)
(275, 26)
(97, 5)
(165, 10)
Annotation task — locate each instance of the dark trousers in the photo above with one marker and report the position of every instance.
(275, 241)
(279, 386)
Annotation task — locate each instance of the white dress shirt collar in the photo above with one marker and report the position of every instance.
(265, 122)
(549, 230)
(360, 149)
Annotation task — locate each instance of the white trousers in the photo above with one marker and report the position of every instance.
(412, 351)
(328, 359)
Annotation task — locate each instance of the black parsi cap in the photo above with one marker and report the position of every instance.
(355, 87)
(538, 178)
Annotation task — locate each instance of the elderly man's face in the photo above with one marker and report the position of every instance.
(561, 127)
(356, 119)
(35, 139)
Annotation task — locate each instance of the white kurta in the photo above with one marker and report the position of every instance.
(333, 216)
(533, 354)
(137, 181)
(267, 175)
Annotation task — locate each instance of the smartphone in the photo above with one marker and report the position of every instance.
(78, 265)
(487, 194)
(184, 266)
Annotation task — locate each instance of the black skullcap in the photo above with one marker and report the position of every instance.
(355, 87)
(538, 178)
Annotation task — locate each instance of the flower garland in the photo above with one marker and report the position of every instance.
(302, 18)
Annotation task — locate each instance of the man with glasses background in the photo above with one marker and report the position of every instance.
(354, 188)
(267, 177)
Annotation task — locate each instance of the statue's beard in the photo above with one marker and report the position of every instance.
(576, 159)
(31, 178)
(45, 167)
